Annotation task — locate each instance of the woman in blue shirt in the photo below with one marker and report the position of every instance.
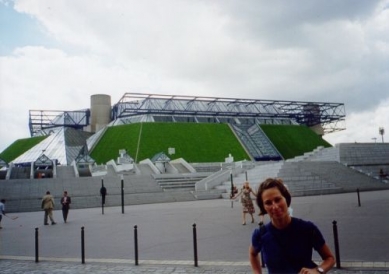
(286, 242)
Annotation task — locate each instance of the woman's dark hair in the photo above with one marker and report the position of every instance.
(270, 183)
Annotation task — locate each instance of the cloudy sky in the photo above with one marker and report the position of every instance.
(55, 54)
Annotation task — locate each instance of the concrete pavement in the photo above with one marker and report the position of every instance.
(165, 236)
(105, 267)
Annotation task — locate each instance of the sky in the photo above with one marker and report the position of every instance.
(55, 54)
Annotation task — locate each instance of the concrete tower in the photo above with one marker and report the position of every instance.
(100, 111)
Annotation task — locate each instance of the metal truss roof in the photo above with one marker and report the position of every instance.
(42, 121)
(329, 115)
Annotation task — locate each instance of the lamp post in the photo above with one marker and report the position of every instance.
(381, 130)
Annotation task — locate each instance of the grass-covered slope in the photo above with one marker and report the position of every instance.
(20, 146)
(292, 141)
(195, 142)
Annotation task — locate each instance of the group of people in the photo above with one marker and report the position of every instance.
(48, 205)
(286, 242)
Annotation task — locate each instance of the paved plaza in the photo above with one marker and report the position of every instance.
(166, 236)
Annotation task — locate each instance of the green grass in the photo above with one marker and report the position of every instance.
(292, 141)
(20, 146)
(195, 142)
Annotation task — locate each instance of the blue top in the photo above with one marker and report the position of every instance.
(288, 250)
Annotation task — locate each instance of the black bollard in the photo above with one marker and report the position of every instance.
(232, 189)
(82, 245)
(337, 256)
(359, 198)
(136, 244)
(36, 245)
(103, 192)
(122, 184)
(195, 245)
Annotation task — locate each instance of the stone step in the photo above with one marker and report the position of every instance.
(207, 195)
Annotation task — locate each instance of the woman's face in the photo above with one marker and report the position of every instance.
(274, 203)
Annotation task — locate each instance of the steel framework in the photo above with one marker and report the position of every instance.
(41, 121)
(330, 116)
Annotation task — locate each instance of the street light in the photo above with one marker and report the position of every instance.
(381, 130)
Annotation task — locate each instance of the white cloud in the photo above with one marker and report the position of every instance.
(363, 126)
(303, 50)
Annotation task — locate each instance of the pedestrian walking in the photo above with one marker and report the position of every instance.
(65, 202)
(2, 210)
(246, 201)
(48, 206)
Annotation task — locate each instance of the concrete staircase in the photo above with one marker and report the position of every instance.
(179, 181)
(254, 175)
(256, 142)
(342, 177)
(65, 172)
(318, 154)
(301, 180)
(322, 171)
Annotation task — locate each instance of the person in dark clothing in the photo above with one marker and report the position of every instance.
(65, 202)
(103, 193)
(286, 242)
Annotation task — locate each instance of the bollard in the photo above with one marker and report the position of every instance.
(359, 199)
(136, 244)
(337, 256)
(82, 245)
(102, 196)
(36, 245)
(122, 185)
(195, 245)
(232, 189)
